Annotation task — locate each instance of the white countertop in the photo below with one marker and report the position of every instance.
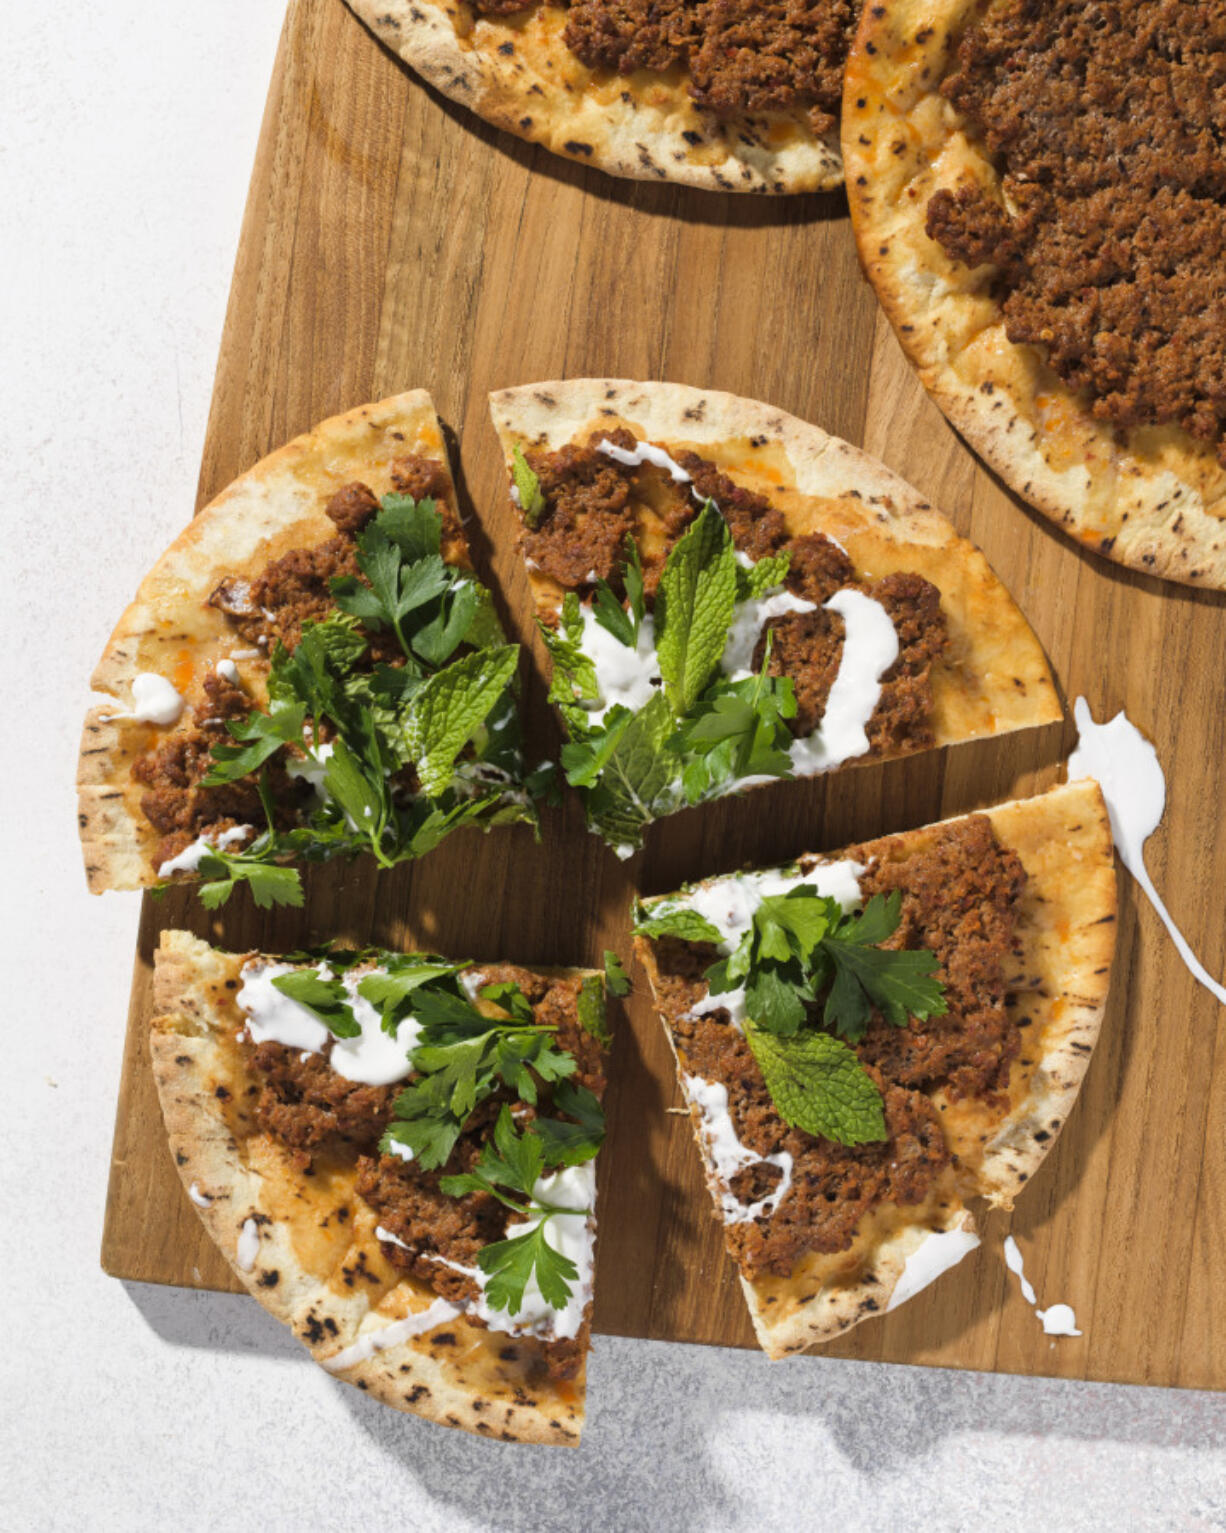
(127, 132)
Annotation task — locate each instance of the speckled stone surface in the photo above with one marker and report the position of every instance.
(126, 138)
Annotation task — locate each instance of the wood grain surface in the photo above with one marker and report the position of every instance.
(392, 241)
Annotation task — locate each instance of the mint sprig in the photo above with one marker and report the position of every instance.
(694, 605)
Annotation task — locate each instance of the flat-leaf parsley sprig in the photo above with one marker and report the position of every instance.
(813, 975)
(401, 752)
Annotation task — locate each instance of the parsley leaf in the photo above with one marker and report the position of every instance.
(617, 981)
(270, 884)
(591, 1006)
(263, 733)
(817, 1084)
(326, 999)
(694, 605)
(527, 488)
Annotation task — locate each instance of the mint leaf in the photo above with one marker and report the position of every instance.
(817, 1084)
(573, 687)
(694, 605)
(611, 615)
(527, 488)
(617, 981)
(638, 780)
(681, 922)
(450, 707)
(761, 576)
(326, 999)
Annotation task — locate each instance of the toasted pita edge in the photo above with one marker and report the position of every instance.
(1148, 503)
(275, 499)
(648, 139)
(1068, 945)
(327, 1316)
(1010, 684)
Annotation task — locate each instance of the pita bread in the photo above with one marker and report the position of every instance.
(310, 1254)
(1066, 927)
(993, 678)
(1152, 498)
(171, 631)
(517, 73)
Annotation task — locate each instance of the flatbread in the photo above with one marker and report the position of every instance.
(170, 630)
(1152, 498)
(517, 73)
(1066, 926)
(994, 677)
(310, 1255)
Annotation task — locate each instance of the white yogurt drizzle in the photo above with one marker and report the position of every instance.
(154, 701)
(200, 1199)
(870, 647)
(1126, 767)
(936, 1253)
(229, 670)
(728, 1155)
(372, 1058)
(312, 766)
(1059, 1320)
(574, 1235)
(190, 858)
(248, 1245)
(438, 1313)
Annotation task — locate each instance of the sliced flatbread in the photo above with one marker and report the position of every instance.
(173, 637)
(303, 1241)
(517, 72)
(1150, 497)
(1056, 984)
(992, 676)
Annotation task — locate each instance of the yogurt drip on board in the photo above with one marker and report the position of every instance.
(936, 1253)
(154, 701)
(372, 1058)
(1059, 1320)
(1126, 767)
(729, 1156)
(190, 858)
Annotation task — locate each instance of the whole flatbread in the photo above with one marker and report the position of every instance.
(1151, 497)
(994, 677)
(517, 73)
(170, 629)
(1058, 982)
(310, 1254)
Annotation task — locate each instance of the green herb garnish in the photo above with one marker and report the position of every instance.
(616, 980)
(527, 488)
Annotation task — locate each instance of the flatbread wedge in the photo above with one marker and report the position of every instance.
(239, 621)
(1136, 487)
(959, 660)
(1019, 905)
(516, 71)
(354, 1247)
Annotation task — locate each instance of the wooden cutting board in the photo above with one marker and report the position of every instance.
(391, 241)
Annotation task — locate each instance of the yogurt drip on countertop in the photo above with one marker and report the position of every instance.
(373, 1058)
(1059, 1320)
(154, 701)
(936, 1253)
(729, 1156)
(1126, 767)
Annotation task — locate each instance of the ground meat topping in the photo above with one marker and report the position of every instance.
(743, 56)
(309, 1108)
(592, 503)
(1106, 122)
(959, 895)
(266, 610)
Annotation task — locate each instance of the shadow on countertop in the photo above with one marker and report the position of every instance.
(656, 1409)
